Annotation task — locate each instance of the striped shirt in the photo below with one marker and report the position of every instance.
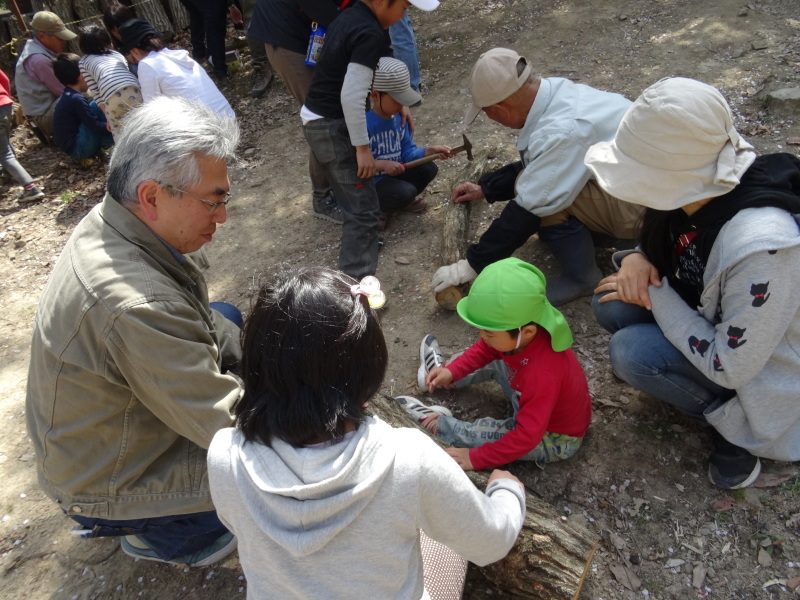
(105, 74)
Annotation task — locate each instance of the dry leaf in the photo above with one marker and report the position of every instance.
(637, 504)
(617, 541)
(625, 576)
(402, 260)
(674, 562)
(764, 559)
(793, 583)
(607, 402)
(699, 576)
(793, 141)
(766, 480)
(772, 582)
(723, 504)
(794, 520)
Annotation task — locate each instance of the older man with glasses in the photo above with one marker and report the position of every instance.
(128, 377)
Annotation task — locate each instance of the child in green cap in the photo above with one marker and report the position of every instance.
(524, 345)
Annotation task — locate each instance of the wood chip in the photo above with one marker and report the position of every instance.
(766, 480)
(699, 576)
(764, 558)
(625, 576)
(793, 141)
(402, 260)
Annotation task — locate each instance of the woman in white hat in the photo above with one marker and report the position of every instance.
(704, 314)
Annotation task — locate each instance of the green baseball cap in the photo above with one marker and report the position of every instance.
(510, 293)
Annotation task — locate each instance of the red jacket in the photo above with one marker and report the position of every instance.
(554, 396)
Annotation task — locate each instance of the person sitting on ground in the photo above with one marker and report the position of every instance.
(705, 315)
(392, 142)
(105, 71)
(525, 347)
(306, 477)
(8, 158)
(37, 86)
(79, 126)
(167, 72)
(128, 373)
(550, 191)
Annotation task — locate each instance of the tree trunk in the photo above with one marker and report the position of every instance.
(550, 557)
(63, 8)
(157, 17)
(456, 231)
(177, 14)
(84, 9)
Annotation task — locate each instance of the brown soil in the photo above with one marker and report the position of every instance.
(638, 482)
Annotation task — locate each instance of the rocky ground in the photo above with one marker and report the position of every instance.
(639, 481)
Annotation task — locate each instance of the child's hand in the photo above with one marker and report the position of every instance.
(429, 423)
(442, 151)
(366, 162)
(461, 456)
(390, 167)
(439, 376)
(499, 474)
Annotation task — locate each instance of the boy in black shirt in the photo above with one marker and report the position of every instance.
(335, 125)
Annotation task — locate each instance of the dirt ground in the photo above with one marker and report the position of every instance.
(639, 482)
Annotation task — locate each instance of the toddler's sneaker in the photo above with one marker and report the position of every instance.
(430, 357)
(421, 411)
(30, 193)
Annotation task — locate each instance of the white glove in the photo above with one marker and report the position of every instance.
(454, 274)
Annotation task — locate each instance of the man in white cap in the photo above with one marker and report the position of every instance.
(37, 86)
(550, 190)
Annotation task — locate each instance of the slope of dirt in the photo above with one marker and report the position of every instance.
(638, 482)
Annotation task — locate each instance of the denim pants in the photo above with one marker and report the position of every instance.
(404, 44)
(462, 434)
(395, 192)
(87, 143)
(646, 360)
(330, 143)
(8, 157)
(169, 537)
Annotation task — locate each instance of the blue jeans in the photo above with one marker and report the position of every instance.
(646, 360)
(229, 311)
(462, 434)
(168, 537)
(87, 143)
(404, 44)
(330, 143)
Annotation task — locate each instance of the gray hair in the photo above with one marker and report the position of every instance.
(161, 140)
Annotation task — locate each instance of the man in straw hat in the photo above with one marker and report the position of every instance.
(550, 190)
(37, 87)
(706, 316)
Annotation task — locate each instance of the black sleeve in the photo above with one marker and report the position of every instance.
(499, 185)
(321, 11)
(505, 234)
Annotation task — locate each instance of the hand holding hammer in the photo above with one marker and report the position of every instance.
(465, 147)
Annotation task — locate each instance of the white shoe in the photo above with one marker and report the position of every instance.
(430, 357)
(421, 411)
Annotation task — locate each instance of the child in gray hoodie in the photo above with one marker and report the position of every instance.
(307, 478)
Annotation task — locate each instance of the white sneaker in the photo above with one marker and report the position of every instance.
(421, 411)
(430, 357)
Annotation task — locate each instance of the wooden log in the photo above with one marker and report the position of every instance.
(177, 13)
(455, 231)
(551, 555)
(155, 14)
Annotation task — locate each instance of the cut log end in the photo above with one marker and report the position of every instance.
(448, 298)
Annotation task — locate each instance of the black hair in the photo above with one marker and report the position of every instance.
(115, 15)
(151, 43)
(312, 355)
(66, 69)
(93, 39)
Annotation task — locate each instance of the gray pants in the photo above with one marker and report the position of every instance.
(330, 143)
(462, 434)
(8, 157)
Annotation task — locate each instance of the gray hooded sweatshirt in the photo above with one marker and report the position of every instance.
(343, 521)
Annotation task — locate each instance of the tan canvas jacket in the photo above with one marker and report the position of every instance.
(126, 385)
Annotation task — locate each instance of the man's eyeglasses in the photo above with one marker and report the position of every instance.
(212, 206)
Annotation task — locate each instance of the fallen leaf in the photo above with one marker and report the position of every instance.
(402, 260)
(607, 402)
(674, 562)
(793, 141)
(794, 520)
(772, 582)
(637, 504)
(723, 504)
(764, 559)
(793, 583)
(617, 541)
(625, 576)
(766, 480)
(699, 576)
(681, 489)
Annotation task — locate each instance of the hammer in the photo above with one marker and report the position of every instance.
(465, 146)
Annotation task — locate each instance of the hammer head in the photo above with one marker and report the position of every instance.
(467, 147)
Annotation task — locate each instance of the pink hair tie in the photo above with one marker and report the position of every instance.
(371, 288)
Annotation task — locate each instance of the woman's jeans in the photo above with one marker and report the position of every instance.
(646, 360)
(8, 157)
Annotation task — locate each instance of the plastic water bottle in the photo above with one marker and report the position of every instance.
(315, 43)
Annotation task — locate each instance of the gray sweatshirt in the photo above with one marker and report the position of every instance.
(745, 335)
(343, 521)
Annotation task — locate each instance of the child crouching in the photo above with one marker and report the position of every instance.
(524, 347)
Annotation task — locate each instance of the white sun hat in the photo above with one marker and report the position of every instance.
(675, 145)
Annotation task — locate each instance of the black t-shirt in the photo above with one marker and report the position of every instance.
(355, 36)
(287, 23)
